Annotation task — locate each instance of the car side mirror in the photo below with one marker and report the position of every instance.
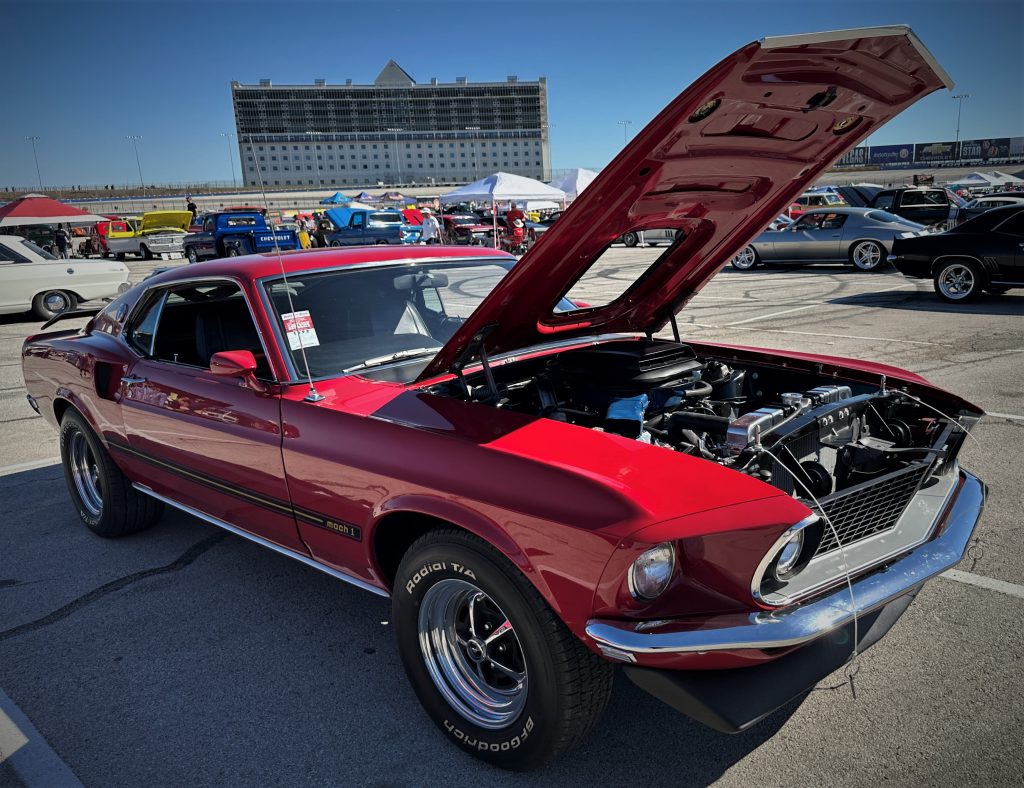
(237, 364)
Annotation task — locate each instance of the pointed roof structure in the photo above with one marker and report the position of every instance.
(393, 74)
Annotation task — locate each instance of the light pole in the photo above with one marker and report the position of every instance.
(316, 157)
(959, 98)
(625, 130)
(134, 138)
(398, 157)
(476, 166)
(34, 140)
(227, 135)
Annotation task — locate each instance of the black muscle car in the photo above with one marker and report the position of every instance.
(985, 253)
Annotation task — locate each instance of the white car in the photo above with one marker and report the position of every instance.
(32, 278)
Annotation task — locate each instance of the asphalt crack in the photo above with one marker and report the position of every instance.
(113, 586)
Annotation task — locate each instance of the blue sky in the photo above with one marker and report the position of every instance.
(81, 75)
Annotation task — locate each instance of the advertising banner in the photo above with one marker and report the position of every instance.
(1016, 148)
(935, 152)
(858, 157)
(890, 155)
(983, 150)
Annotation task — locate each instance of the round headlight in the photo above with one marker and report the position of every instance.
(789, 555)
(651, 572)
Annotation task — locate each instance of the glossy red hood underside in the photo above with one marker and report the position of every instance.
(726, 157)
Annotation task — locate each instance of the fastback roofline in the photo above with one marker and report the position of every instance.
(800, 39)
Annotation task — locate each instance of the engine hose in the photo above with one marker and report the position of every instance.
(701, 389)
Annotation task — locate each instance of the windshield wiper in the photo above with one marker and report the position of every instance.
(373, 362)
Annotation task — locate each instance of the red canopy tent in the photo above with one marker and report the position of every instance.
(37, 209)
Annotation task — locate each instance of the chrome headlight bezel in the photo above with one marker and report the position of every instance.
(660, 558)
(769, 568)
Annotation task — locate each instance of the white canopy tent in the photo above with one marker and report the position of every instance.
(502, 187)
(983, 180)
(574, 181)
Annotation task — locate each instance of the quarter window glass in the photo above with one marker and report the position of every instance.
(1013, 226)
(37, 249)
(142, 331)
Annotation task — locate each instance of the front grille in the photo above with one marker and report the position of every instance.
(871, 507)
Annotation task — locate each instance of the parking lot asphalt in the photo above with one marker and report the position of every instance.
(186, 656)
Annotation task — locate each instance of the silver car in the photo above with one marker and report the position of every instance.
(860, 236)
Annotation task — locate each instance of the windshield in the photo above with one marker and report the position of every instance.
(37, 249)
(349, 320)
(463, 220)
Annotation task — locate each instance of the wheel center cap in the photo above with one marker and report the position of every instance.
(476, 649)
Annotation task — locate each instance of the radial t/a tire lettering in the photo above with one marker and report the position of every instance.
(494, 667)
(103, 496)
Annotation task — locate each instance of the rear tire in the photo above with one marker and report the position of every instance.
(192, 255)
(867, 255)
(144, 252)
(958, 281)
(517, 701)
(53, 302)
(103, 497)
(630, 239)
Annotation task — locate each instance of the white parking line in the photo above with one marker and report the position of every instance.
(24, 750)
(773, 314)
(1004, 416)
(817, 334)
(7, 470)
(985, 582)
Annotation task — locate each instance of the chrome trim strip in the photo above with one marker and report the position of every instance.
(263, 542)
(799, 624)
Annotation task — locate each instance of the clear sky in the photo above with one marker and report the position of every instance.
(82, 74)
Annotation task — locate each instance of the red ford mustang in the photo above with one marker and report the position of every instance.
(544, 489)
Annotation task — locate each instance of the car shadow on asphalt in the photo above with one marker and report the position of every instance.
(1009, 304)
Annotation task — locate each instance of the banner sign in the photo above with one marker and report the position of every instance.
(858, 157)
(890, 155)
(1016, 147)
(935, 152)
(983, 150)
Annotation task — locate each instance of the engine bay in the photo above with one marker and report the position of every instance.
(812, 436)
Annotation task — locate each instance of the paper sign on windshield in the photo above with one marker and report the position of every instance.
(298, 326)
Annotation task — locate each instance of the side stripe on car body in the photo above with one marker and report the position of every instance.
(281, 507)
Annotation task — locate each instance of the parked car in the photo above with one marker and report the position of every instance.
(157, 234)
(236, 233)
(984, 253)
(862, 237)
(649, 237)
(978, 206)
(809, 200)
(544, 489)
(32, 278)
(466, 228)
(924, 206)
(369, 226)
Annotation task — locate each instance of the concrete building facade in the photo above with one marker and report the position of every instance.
(393, 132)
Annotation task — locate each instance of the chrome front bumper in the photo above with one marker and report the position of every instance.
(802, 623)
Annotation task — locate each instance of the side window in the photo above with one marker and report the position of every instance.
(1013, 226)
(884, 201)
(809, 221)
(210, 223)
(6, 255)
(357, 221)
(143, 329)
(833, 221)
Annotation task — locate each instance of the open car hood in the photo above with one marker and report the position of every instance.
(720, 162)
(157, 221)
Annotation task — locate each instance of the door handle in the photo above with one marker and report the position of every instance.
(128, 381)
(71, 270)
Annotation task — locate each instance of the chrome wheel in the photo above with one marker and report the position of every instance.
(56, 302)
(472, 653)
(85, 474)
(867, 255)
(745, 259)
(957, 282)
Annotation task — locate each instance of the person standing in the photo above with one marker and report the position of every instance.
(192, 208)
(513, 214)
(430, 233)
(61, 240)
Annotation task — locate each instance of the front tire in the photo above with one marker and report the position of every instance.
(867, 255)
(192, 255)
(958, 281)
(53, 302)
(746, 259)
(630, 239)
(104, 498)
(494, 667)
(144, 252)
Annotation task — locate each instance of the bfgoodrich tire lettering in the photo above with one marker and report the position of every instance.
(565, 687)
(104, 498)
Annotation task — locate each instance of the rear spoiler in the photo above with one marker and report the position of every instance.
(87, 312)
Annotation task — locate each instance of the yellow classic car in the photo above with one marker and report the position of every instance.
(156, 234)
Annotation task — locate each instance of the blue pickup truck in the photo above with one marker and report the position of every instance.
(233, 234)
(368, 226)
